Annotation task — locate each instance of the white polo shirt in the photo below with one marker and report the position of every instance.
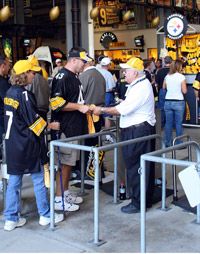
(138, 105)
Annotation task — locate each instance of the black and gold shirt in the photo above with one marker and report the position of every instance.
(66, 87)
(196, 83)
(23, 127)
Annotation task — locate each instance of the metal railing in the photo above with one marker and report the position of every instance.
(4, 171)
(189, 157)
(95, 150)
(153, 157)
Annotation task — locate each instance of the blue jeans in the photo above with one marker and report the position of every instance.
(161, 103)
(13, 208)
(174, 112)
(109, 99)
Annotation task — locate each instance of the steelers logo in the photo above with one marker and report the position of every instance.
(175, 26)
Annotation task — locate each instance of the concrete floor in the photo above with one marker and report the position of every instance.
(167, 231)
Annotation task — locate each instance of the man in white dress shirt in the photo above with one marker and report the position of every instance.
(137, 119)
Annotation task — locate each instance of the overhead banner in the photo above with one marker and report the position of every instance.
(108, 16)
(175, 26)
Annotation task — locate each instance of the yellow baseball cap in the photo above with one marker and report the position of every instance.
(23, 66)
(133, 63)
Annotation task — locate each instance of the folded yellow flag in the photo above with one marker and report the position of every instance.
(91, 128)
(95, 118)
(46, 175)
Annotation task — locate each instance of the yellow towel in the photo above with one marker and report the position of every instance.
(46, 175)
(95, 118)
(187, 112)
(91, 118)
(91, 128)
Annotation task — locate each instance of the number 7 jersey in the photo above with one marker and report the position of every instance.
(23, 127)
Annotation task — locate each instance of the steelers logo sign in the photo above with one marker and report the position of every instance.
(175, 26)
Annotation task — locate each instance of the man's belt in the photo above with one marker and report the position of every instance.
(137, 125)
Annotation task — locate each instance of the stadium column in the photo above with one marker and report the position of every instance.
(87, 29)
(19, 12)
(68, 22)
(79, 27)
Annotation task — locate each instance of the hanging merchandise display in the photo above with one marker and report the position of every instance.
(182, 41)
(188, 49)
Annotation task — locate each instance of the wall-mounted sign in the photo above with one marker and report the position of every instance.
(107, 38)
(108, 16)
(117, 44)
(175, 26)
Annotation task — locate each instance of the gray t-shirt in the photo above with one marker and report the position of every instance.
(94, 86)
(40, 89)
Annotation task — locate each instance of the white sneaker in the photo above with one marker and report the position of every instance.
(44, 221)
(109, 139)
(70, 207)
(71, 197)
(10, 225)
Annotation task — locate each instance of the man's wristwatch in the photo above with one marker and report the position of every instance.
(102, 110)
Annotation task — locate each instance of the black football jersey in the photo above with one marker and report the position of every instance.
(4, 86)
(23, 127)
(196, 84)
(66, 87)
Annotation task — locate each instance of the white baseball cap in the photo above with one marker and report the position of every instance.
(58, 60)
(105, 61)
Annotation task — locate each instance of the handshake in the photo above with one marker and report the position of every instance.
(92, 109)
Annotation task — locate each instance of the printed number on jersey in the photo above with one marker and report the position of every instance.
(10, 120)
(26, 95)
(59, 75)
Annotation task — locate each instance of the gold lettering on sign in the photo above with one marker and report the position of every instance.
(117, 44)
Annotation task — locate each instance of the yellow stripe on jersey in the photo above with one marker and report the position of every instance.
(57, 102)
(38, 126)
(11, 102)
(196, 85)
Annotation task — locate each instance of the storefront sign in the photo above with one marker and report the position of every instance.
(175, 26)
(107, 38)
(118, 44)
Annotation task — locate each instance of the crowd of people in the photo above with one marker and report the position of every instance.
(80, 90)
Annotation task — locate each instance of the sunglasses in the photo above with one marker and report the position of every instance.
(84, 61)
(32, 72)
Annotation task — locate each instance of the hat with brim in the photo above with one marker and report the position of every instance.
(133, 63)
(23, 66)
(80, 55)
(105, 61)
(58, 60)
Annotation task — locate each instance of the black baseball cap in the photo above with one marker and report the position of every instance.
(79, 53)
(100, 58)
(168, 60)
